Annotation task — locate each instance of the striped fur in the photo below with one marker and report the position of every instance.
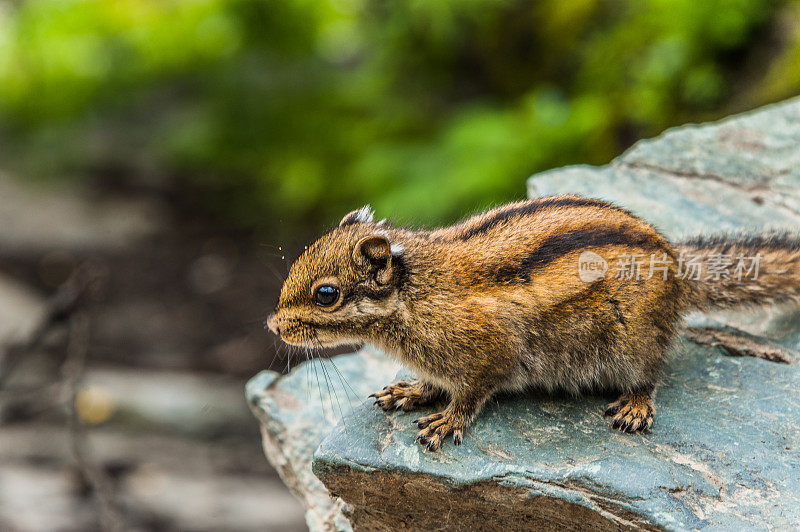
(777, 281)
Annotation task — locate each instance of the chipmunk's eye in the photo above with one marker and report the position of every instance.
(326, 295)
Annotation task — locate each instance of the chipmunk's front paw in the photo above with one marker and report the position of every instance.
(402, 395)
(632, 412)
(436, 427)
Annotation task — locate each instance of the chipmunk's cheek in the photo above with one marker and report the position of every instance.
(326, 338)
(334, 337)
(288, 336)
(289, 329)
(377, 307)
(288, 339)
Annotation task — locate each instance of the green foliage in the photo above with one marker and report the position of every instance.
(293, 111)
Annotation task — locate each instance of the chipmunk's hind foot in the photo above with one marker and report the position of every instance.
(405, 396)
(437, 427)
(632, 412)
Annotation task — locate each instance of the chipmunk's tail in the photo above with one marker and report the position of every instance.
(725, 271)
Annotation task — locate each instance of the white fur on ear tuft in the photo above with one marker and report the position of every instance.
(364, 214)
(361, 216)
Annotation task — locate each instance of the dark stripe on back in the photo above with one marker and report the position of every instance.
(533, 206)
(557, 246)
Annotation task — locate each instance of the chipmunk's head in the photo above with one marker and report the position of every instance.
(341, 286)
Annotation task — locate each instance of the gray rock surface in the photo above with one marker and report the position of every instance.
(297, 411)
(724, 452)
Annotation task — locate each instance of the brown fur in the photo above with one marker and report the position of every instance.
(778, 277)
(495, 303)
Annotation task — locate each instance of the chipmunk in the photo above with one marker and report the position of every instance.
(497, 303)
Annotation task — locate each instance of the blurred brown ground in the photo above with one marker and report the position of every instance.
(125, 408)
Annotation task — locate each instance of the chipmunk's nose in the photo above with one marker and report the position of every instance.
(272, 323)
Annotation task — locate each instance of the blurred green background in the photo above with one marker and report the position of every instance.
(281, 115)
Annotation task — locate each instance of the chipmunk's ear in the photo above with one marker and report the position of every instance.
(375, 254)
(361, 216)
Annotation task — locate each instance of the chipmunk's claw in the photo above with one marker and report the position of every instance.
(632, 413)
(615, 407)
(427, 420)
(402, 396)
(436, 427)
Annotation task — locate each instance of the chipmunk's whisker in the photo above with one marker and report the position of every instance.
(342, 378)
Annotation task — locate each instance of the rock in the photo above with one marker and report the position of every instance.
(190, 403)
(296, 411)
(724, 452)
(742, 172)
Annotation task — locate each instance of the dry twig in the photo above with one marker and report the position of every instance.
(72, 373)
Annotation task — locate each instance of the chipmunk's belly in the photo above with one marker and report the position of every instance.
(551, 373)
(576, 361)
(606, 336)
